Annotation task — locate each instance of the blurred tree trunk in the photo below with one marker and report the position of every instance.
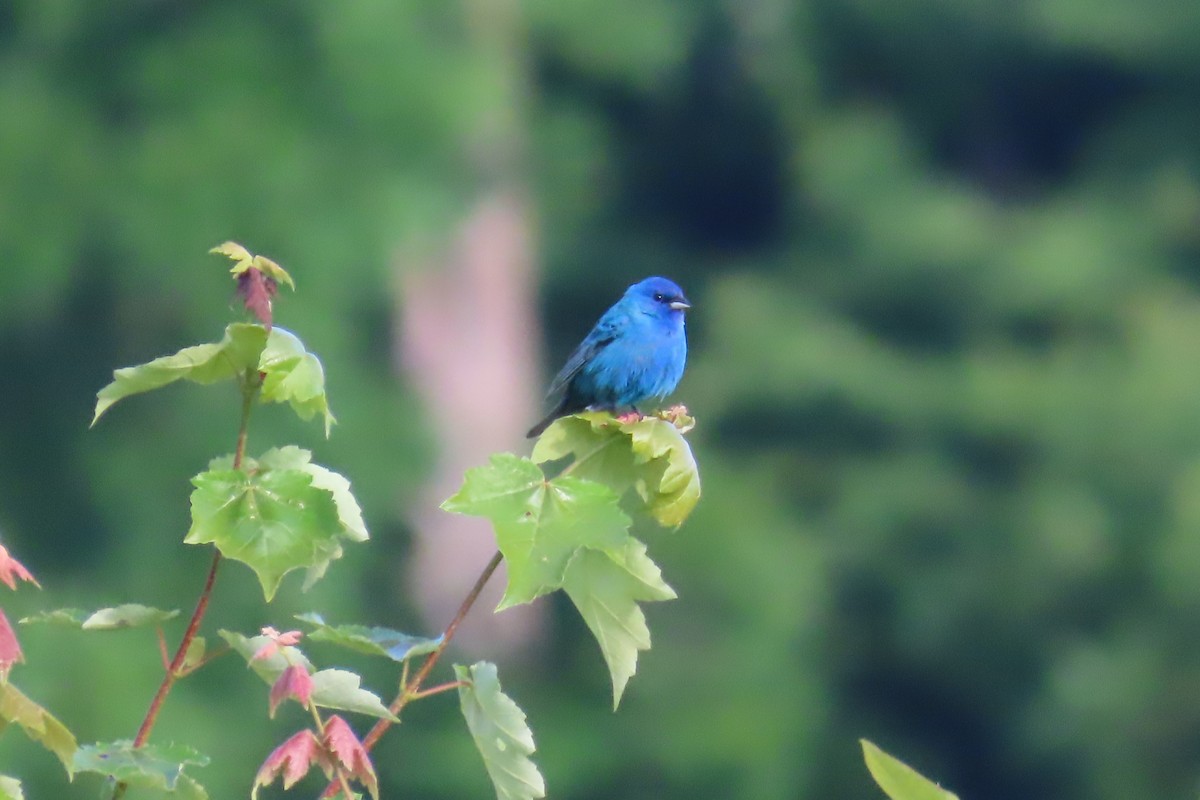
(467, 335)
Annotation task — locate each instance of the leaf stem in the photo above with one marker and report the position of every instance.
(250, 388)
(162, 647)
(174, 668)
(441, 687)
(410, 691)
(213, 656)
(342, 781)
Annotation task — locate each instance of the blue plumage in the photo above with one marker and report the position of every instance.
(635, 353)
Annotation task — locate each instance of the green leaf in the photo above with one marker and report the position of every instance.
(349, 512)
(606, 588)
(38, 724)
(372, 641)
(70, 617)
(188, 789)
(898, 780)
(234, 251)
(130, 615)
(295, 376)
(274, 521)
(596, 446)
(649, 454)
(332, 688)
(10, 789)
(341, 689)
(539, 524)
(498, 727)
(195, 653)
(670, 485)
(271, 667)
(238, 351)
(245, 260)
(153, 766)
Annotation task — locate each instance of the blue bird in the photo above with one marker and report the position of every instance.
(635, 353)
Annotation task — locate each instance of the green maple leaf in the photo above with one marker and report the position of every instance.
(332, 688)
(129, 615)
(342, 689)
(269, 667)
(154, 766)
(898, 780)
(69, 617)
(245, 260)
(650, 455)
(295, 376)
(503, 738)
(670, 480)
(349, 512)
(10, 789)
(38, 724)
(238, 351)
(540, 524)
(596, 446)
(606, 588)
(370, 640)
(274, 521)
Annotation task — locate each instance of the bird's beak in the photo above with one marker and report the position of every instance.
(680, 305)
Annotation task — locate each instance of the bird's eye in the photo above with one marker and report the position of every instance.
(659, 296)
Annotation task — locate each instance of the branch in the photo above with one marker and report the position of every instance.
(250, 387)
(412, 689)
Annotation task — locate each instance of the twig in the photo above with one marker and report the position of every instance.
(162, 647)
(343, 782)
(414, 685)
(441, 687)
(411, 690)
(173, 668)
(250, 387)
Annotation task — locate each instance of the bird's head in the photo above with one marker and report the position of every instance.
(659, 296)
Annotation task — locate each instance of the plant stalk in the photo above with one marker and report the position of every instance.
(412, 689)
(250, 388)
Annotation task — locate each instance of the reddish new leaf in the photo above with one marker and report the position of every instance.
(348, 753)
(10, 650)
(11, 569)
(278, 640)
(294, 758)
(294, 682)
(256, 291)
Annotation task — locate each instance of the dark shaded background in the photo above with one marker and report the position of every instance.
(945, 263)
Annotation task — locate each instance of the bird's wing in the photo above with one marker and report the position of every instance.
(601, 337)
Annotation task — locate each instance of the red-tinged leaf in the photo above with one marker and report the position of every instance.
(293, 682)
(10, 650)
(277, 640)
(244, 260)
(294, 758)
(348, 753)
(11, 569)
(256, 291)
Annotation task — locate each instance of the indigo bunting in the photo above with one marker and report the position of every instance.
(636, 352)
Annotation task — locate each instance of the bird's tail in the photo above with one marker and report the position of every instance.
(536, 430)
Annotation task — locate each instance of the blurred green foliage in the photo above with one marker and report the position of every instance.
(946, 263)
